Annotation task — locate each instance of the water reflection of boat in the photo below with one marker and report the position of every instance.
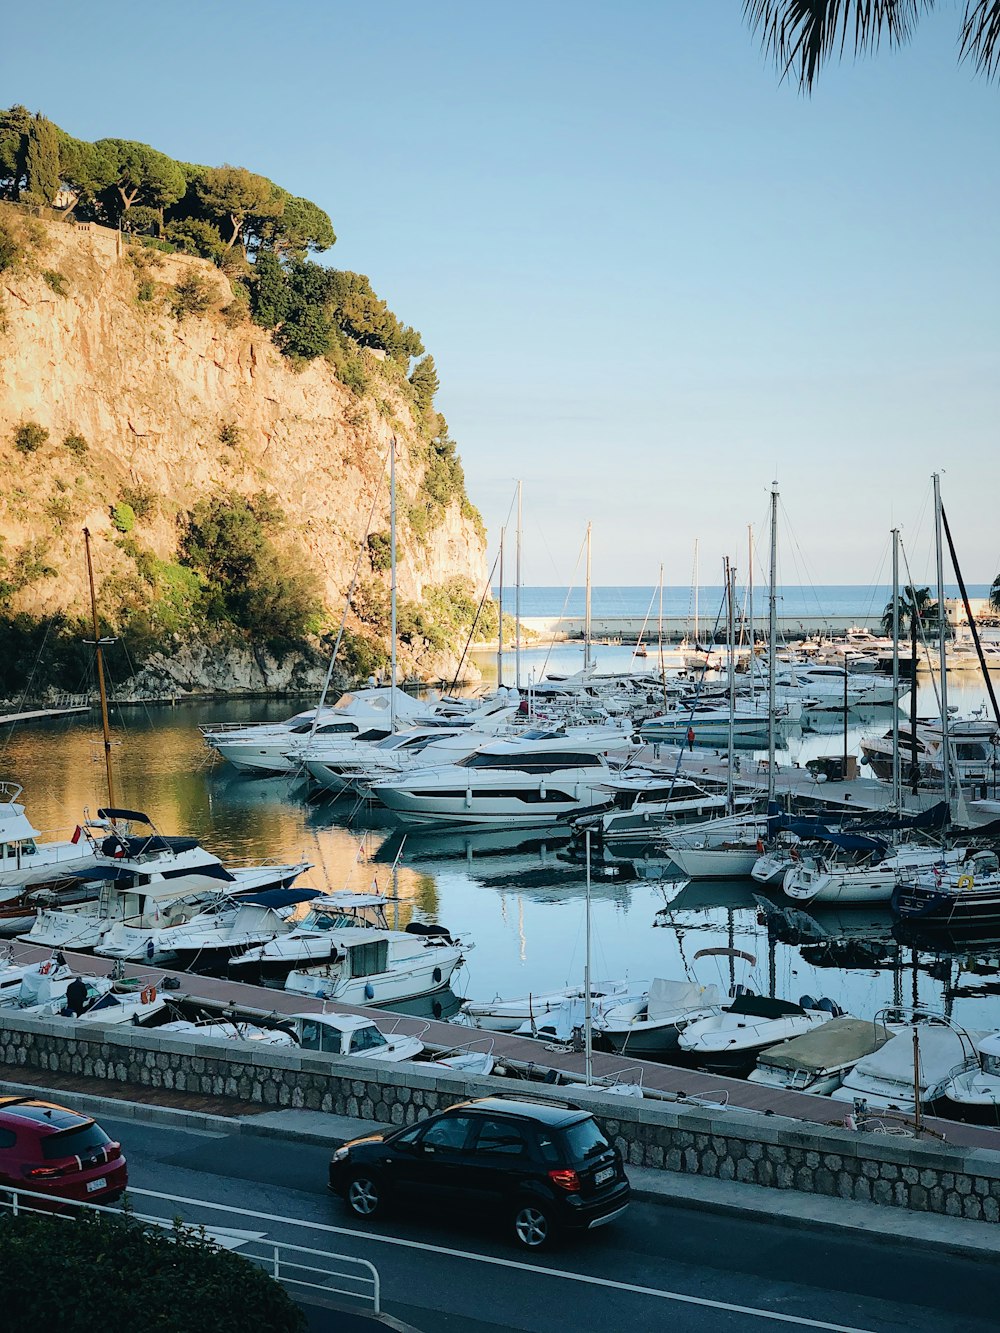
(471, 845)
(841, 937)
(703, 895)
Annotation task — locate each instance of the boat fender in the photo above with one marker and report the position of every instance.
(966, 882)
(45, 969)
(369, 991)
(436, 974)
(148, 994)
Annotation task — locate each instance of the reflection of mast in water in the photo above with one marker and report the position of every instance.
(772, 949)
(523, 950)
(897, 977)
(731, 920)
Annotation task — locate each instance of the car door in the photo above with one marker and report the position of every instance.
(10, 1166)
(501, 1156)
(430, 1166)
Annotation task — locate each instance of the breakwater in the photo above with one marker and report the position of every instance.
(778, 1153)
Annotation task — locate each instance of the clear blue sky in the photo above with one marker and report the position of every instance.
(653, 278)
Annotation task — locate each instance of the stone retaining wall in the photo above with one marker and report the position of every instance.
(770, 1151)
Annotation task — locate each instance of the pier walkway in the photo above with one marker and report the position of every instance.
(524, 1054)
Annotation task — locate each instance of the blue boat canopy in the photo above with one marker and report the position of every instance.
(277, 897)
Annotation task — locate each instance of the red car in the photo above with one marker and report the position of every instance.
(49, 1149)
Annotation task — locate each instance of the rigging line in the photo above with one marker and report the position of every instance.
(569, 592)
(475, 621)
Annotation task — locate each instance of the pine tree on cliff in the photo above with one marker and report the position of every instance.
(41, 162)
(425, 381)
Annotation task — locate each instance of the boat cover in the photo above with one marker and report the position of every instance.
(941, 1050)
(134, 816)
(763, 1006)
(119, 845)
(831, 1046)
(667, 998)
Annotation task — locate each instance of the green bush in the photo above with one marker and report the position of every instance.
(146, 290)
(75, 443)
(230, 434)
(380, 551)
(193, 295)
(110, 1274)
(55, 280)
(249, 583)
(195, 236)
(141, 499)
(10, 249)
(123, 517)
(29, 436)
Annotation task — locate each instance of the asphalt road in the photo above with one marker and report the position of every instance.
(658, 1267)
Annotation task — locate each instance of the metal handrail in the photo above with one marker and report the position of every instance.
(287, 1263)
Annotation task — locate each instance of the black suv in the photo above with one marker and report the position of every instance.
(542, 1167)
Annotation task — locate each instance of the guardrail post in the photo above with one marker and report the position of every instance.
(277, 1266)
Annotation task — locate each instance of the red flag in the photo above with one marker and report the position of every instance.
(77, 835)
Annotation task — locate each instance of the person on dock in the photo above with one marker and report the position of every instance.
(76, 997)
(690, 739)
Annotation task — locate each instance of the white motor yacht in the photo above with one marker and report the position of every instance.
(540, 778)
(312, 938)
(711, 722)
(731, 1040)
(24, 860)
(379, 967)
(972, 744)
(644, 805)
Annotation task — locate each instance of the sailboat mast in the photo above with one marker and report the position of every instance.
(588, 1015)
(586, 623)
(100, 673)
(942, 651)
(503, 533)
(896, 787)
(697, 640)
(392, 592)
(772, 638)
(659, 644)
(517, 595)
(750, 599)
(730, 575)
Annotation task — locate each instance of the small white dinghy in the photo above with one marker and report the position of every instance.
(499, 1015)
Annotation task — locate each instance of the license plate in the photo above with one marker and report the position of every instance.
(94, 1185)
(607, 1174)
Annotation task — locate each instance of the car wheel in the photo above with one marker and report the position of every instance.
(533, 1226)
(364, 1194)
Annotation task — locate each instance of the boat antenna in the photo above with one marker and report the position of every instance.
(517, 595)
(942, 650)
(98, 644)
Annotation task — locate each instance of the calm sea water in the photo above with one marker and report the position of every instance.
(515, 895)
(835, 600)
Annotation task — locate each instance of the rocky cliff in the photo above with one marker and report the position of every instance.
(140, 398)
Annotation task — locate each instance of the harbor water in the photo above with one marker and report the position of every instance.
(519, 896)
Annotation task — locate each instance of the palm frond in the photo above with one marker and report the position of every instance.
(980, 41)
(801, 35)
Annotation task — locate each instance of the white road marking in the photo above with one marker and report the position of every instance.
(585, 1278)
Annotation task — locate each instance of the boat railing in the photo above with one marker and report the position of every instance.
(10, 791)
(300, 1267)
(482, 1045)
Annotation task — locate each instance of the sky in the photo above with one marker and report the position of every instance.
(654, 278)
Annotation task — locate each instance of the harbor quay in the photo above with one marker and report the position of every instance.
(928, 1175)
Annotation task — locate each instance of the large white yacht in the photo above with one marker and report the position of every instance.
(539, 778)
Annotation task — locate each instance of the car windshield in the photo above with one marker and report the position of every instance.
(78, 1142)
(584, 1139)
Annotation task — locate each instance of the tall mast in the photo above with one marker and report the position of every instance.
(659, 641)
(896, 788)
(696, 637)
(730, 574)
(942, 651)
(750, 605)
(517, 596)
(588, 1017)
(586, 623)
(772, 637)
(392, 595)
(100, 673)
(503, 533)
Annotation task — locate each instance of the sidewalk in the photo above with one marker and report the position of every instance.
(882, 1225)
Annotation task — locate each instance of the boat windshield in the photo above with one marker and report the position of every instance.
(540, 762)
(991, 1065)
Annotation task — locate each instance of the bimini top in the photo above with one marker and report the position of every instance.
(133, 816)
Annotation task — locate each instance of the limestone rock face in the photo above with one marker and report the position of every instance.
(154, 397)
